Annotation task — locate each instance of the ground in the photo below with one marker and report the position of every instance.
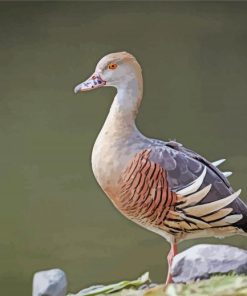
(221, 285)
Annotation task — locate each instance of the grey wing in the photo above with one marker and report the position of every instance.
(196, 160)
(206, 193)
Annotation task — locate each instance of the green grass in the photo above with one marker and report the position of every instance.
(220, 285)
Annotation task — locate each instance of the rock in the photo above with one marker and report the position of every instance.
(147, 286)
(51, 282)
(203, 261)
(143, 287)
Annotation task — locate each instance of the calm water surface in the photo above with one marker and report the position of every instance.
(52, 213)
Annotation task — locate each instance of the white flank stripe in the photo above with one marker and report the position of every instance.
(205, 209)
(194, 186)
(227, 220)
(218, 162)
(227, 174)
(200, 224)
(195, 198)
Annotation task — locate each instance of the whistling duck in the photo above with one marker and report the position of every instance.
(161, 186)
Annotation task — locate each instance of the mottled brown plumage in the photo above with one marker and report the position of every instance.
(162, 186)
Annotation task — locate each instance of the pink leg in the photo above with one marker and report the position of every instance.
(173, 252)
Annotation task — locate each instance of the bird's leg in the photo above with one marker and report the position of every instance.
(173, 252)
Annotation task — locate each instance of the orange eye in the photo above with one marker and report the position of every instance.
(112, 66)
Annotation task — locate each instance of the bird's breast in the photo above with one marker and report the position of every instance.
(109, 158)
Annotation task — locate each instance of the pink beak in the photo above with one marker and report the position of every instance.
(95, 81)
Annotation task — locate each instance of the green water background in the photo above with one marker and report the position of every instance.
(52, 212)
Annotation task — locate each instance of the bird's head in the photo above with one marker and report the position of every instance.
(114, 69)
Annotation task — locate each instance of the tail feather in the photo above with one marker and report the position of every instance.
(241, 209)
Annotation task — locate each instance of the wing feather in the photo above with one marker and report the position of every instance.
(166, 189)
(205, 209)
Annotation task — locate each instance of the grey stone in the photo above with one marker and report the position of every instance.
(203, 261)
(147, 286)
(143, 287)
(51, 282)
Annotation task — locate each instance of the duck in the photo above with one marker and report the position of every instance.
(160, 185)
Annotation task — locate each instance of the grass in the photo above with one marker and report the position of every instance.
(219, 285)
(222, 285)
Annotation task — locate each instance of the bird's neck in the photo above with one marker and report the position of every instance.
(125, 105)
(117, 140)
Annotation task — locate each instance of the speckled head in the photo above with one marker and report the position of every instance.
(114, 69)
